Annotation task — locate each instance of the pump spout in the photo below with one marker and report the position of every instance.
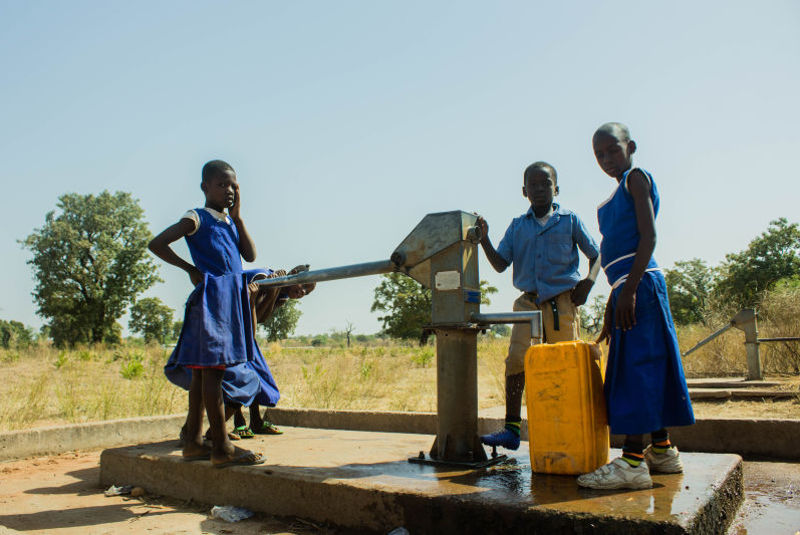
(533, 317)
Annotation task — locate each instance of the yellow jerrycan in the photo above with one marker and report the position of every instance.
(567, 423)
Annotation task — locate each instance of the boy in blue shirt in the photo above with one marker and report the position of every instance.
(542, 244)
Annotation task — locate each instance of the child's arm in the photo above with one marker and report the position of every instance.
(588, 247)
(581, 291)
(639, 188)
(498, 262)
(263, 299)
(160, 247)
(247, 247)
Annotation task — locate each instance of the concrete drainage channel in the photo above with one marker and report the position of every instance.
(744, 437)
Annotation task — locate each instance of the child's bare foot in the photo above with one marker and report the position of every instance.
(236, 457)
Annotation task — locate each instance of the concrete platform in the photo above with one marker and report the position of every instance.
(740, 393)
(363, 481)
(722, 382)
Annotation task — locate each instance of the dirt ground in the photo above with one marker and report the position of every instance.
(60, 495)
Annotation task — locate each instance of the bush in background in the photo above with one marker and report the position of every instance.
(14, 335)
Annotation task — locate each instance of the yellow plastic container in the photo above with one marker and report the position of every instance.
(567, 425)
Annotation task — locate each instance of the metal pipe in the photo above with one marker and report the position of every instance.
(754, 368)
(457, 397)
(504, 317)
(781, 339)
(533, 317)
(707, 339)
(334, 273)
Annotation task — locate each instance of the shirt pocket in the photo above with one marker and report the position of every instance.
(559, 247)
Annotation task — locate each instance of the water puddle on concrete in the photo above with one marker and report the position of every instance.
(772, 500)
(672, 497)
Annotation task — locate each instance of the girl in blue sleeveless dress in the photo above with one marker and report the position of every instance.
(645, 387)
(217, 335)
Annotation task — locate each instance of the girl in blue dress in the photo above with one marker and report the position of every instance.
(645, 387)
(217, 332)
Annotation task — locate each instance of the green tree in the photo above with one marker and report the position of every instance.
(688, 287)
(772, 256)
(14, 335)
(177, 327)
(591, 315)
(500, 329)
(152, 319)
(283, 321)
(90, 262)
(408, 304)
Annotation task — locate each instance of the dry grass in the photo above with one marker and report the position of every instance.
(778, 316)
(722, 357)
(396, 377)
(44, 386)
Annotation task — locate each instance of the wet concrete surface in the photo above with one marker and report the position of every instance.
(772, 500)
(363, 480)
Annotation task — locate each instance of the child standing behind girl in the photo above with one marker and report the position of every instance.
(645, 387)
(217, 329)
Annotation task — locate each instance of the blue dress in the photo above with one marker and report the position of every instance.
(217, 326)
(253, 374)
(645, 387)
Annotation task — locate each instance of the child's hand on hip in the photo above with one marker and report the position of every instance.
(195, 276)
(581, 292)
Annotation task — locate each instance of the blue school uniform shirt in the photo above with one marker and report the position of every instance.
(214, 244)
(545, 257)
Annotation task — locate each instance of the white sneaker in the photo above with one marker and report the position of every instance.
(618, 474)
(668, 462)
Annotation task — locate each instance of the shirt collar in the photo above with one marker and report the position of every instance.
(556, 210)
(219, 216)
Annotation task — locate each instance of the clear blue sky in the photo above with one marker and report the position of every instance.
(347, 122)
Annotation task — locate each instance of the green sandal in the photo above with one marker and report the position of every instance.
(268, 428)
(244, 432)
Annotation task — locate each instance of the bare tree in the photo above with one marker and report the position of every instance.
(347, 330)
